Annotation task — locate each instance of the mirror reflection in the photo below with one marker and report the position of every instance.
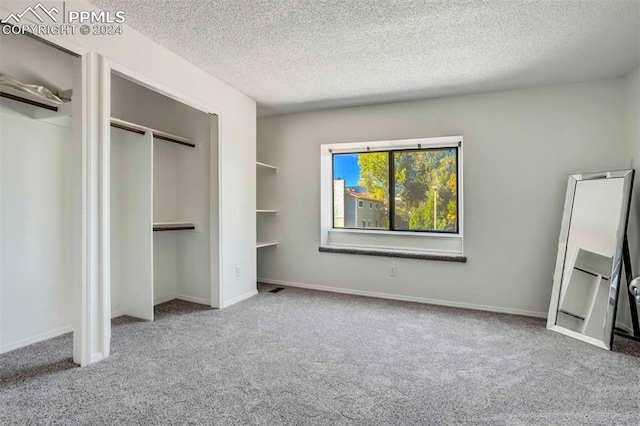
(590, 251)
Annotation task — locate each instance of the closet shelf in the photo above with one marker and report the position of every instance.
(266, 211)
(29, 99)
(267, 166)
(173, 226)
(35, 107)
(261, 244)
(157, 134)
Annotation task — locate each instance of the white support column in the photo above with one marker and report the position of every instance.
(91, 334)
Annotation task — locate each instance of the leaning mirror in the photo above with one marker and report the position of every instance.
(589, 262)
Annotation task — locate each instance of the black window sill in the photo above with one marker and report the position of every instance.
(394, 253)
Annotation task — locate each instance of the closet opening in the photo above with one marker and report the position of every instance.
(163, 201)
(40, 197)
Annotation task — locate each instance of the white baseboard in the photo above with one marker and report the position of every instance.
(239, 298)
(163, 300)
(96, 357)
(184, 297)
(35, 339)
(117, 313)
(406, 298)
(191, 299)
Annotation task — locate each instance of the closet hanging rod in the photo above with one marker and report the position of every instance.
(127, 128)
(28, 101)
(170, 139)
(157, 134)
(174, 228)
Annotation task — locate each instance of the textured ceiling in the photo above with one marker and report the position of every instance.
(302, 55)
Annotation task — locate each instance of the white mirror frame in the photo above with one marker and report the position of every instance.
(614, 288)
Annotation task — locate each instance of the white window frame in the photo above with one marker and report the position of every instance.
(423, 242)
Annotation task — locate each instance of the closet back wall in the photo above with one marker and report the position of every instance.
(520, 146)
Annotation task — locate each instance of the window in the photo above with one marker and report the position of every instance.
(415, 186)
(416, 189)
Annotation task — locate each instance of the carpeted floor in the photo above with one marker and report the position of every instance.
(306, 357)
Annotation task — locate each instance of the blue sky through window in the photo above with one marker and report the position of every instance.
(345, 166)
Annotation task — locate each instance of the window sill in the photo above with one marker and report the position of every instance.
(405, 254)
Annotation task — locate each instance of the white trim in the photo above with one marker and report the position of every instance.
(35, 339)
(184, 297)
(240, 298)
(215, 266)
(98, 356)
(198, 300)
(118, 313)
(402, 298)
(104, 205)
(165, 299)
(87, 248)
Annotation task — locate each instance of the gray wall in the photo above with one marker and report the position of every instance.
(520, 146)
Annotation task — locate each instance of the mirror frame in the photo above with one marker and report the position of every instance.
(614, 283)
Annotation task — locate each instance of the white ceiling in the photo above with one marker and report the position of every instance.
(295, 56)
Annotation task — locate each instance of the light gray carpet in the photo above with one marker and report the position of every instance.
(305, 357)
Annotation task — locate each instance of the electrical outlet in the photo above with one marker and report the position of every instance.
(393, 271)
(237, 271)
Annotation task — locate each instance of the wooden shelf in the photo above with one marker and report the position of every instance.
(261, 244)
(266, 211)
(173, 226)
(267, 166)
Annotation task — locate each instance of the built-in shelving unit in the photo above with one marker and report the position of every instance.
(264, 237)
(162, 202)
